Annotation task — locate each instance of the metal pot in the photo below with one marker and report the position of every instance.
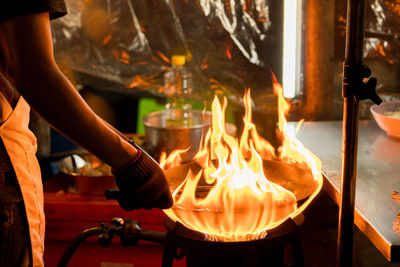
(161, 137)
(88, 174)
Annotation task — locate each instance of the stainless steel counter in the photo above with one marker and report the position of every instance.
(378, 174)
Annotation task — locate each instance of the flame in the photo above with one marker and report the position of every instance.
(107, 39)
(204, 64)
(121, 56)
(228, 51)
(163, 57)
(226, 194)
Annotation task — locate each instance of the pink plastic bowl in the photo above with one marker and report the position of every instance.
(389, 124)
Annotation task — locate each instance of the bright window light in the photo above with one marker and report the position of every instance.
(292, 48)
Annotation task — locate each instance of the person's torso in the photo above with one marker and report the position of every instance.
(8, 90)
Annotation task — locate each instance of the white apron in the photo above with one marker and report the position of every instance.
(21, 146)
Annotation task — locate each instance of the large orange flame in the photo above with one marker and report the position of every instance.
(225, 193)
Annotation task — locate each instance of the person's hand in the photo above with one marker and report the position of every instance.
(142, 184)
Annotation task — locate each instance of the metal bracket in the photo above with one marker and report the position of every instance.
(354, 85)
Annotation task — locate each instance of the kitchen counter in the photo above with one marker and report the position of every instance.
(378, 174)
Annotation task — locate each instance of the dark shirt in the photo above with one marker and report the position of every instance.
(16, 8)
(11, 9)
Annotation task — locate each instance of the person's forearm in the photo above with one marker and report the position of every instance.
(52, 96)
(55, 99)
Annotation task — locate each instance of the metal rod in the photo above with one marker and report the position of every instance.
(353, 56)
(348, 182)
(152, 236)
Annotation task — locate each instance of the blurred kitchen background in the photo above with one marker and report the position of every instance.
(117, 51)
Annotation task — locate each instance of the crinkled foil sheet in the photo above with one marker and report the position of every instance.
(382, 43)
(231, 45)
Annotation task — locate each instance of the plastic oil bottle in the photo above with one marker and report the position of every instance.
(178, 88)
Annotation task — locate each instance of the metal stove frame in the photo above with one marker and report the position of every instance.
(354, 89)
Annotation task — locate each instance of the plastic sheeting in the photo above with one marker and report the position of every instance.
(230, 44)
(382, 46)
(382, 30)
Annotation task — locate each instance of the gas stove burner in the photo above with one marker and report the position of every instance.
(181, 242)
(267, 251)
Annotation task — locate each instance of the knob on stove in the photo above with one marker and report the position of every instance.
(130, 233)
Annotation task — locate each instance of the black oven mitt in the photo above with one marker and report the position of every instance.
(142, 184)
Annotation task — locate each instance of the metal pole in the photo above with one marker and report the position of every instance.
(353, 57)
